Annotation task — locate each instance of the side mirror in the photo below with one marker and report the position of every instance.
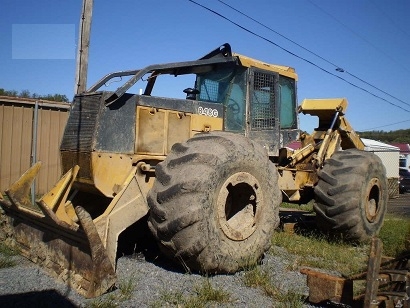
(191, 93)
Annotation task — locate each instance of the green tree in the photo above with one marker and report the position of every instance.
(27, 94)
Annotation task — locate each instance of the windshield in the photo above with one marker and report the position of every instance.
(227, 87)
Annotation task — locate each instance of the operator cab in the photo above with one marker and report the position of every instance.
(253, 98)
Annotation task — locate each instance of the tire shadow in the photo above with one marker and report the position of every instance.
(38, 299)
(297, 221)
(137, 242)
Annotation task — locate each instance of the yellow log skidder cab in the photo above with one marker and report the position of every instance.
(209, 171)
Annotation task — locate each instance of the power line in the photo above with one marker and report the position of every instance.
(338, 68)
(390, 19)
(281, 35)
(386, 125)
(295, 55)
(358, 35)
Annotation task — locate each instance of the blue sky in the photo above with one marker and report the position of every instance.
(369, 39)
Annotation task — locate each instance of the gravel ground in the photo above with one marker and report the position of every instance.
(152, 276)
(27, 285)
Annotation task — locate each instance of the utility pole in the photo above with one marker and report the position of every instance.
(83, 46)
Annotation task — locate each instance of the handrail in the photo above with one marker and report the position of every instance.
(175, 68)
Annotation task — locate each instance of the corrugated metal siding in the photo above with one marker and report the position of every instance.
(16, 131)
(390, 161)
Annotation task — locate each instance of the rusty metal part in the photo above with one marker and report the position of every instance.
(19, 192)
(127, 207)
(65, 241)
(238, 211)
(324, 287)
(387, 283)
(76, 257)
(372, 282)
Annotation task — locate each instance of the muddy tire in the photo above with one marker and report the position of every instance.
(215, 203)
(351, 195)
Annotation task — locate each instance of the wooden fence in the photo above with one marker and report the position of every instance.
(31, 130)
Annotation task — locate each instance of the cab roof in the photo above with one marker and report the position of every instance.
(280, 69)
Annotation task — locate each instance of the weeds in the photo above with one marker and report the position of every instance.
(259, 278)
(207, 293)
(113, 300)
(6, 262)
(394, 235)
(204, 294)
(169, 298)
(316, 250)
(126, 289)
(6, 254)
(308, 207)
(106, 302)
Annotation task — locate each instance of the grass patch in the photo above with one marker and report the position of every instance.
(316, 250)
(207, 293)
(6, 254)
(394, 234)
(204, 295)
(258, 278)
(126, 289)
(313, 249)
(308, 207)
(114, 299)
(7, 251)
(107, 302)
(6, 262)
(169, 298)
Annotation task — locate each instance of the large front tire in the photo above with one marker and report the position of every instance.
(351, 195)
(215, 203)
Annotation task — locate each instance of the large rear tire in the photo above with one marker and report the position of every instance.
(215, 203)
(351, 195)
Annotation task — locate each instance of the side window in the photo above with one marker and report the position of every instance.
(235, 106)
(287, 100)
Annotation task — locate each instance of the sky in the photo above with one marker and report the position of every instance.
(368, 40)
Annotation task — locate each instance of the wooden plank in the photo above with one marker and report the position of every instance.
(83, 47)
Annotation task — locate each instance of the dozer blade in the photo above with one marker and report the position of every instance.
(69, 251)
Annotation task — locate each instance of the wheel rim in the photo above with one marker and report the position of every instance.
(239, 202)
(373, 199)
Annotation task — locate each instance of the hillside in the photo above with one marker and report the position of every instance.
(397, 136)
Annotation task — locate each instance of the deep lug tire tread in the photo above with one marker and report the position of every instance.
(182, 202)
(340, 195)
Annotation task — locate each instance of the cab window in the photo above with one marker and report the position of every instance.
(287, 102)
(227, 87)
